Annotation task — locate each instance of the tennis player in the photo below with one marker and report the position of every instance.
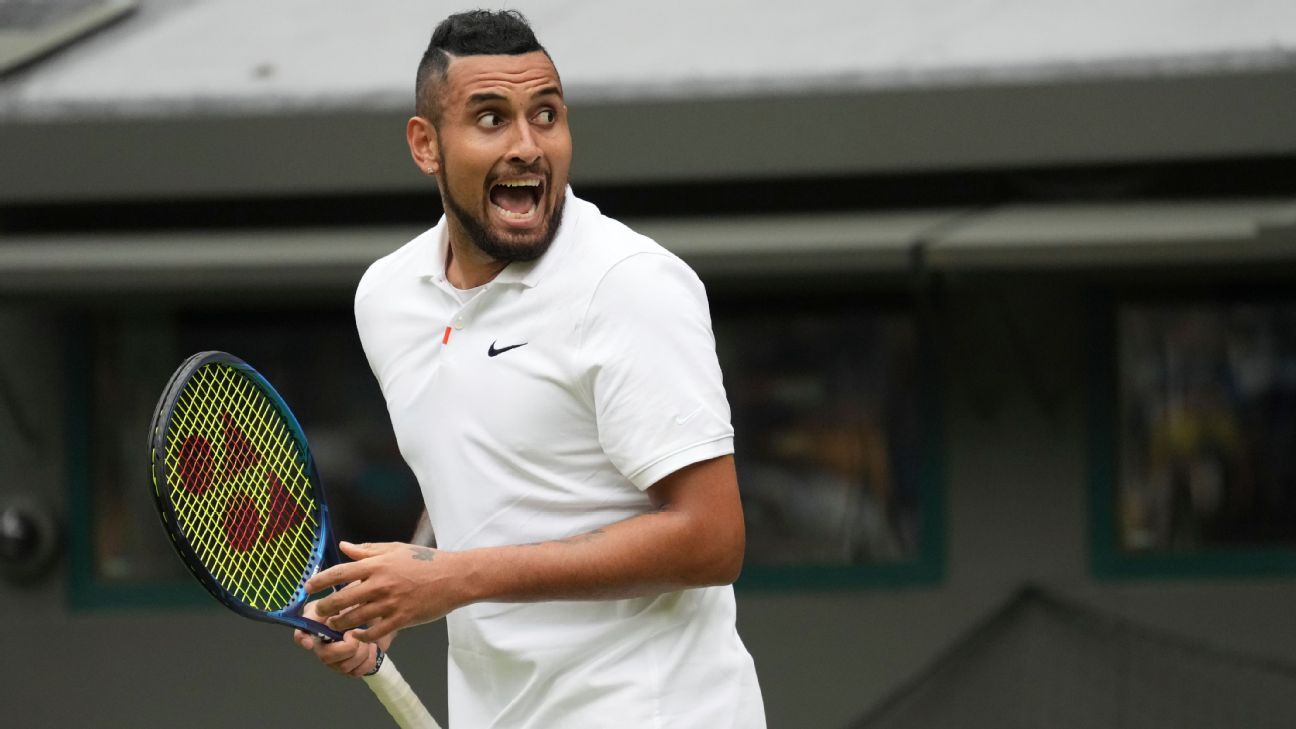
(552, 381)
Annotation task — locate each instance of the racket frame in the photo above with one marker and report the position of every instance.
(324, 552)
(386, 683)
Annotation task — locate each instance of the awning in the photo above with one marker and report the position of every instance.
(1013, 237)
(1119, 234)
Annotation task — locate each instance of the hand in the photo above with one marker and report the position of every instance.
(388, 586)
(348, 656)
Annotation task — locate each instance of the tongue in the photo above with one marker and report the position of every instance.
(513, 199)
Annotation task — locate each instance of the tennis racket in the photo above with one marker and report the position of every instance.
(238, 493)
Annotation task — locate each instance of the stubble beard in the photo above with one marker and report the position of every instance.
(501, 248)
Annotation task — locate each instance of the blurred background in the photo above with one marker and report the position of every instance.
(1003, 292)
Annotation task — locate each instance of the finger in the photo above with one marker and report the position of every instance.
(354, 594)
(367, 666)
(338, 653)
(385, 643)
(376, 631)
(340, 574)
(337, 603)
(310, 613)
(355, 551)
(327, 607)
(361, 614)
(358, 660)
(367, 549)
(304, 639)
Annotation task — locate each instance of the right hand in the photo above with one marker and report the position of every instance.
(348, 656)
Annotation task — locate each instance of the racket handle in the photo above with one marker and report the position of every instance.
(401, 702)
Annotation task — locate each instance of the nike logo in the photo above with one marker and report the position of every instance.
(493, 351)
(682, 420)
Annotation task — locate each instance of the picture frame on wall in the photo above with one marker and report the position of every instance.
(1193, 419)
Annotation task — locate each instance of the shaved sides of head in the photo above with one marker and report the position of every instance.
(472, 33)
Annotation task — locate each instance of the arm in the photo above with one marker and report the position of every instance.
(693, 537)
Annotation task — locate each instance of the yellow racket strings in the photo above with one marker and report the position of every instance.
(239, 487)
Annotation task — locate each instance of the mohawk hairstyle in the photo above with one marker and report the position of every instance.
(471, 33)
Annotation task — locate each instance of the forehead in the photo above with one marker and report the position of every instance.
(524, 73)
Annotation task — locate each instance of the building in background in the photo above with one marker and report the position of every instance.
(1002, 292)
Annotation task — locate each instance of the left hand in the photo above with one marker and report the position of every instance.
(389, 586)
(347, 656)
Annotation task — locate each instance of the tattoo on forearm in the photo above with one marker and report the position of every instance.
(423, 554)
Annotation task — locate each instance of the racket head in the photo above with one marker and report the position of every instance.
(237, 490)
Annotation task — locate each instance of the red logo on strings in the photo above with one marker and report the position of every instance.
(244, 524)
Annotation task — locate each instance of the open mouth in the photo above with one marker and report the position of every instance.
(517, 199)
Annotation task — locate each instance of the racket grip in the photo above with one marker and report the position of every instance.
(401, 702)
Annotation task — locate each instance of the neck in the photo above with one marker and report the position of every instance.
(466, 266)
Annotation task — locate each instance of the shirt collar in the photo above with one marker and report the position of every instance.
(433, 254)
(528, 273)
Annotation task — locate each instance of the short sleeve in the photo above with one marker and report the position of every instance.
(651, 371)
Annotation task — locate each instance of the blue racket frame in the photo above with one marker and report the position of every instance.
(324, 551)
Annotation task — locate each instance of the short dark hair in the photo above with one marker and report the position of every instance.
(471, 33)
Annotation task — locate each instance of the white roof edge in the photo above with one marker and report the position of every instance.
(241, 56)
(698, 89)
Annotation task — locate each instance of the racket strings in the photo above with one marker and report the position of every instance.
(242, 522)
(240, 487)
(213, 523)
(242, 512)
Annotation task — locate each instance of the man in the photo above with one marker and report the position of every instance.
(552, 381)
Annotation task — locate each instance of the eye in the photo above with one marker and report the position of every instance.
(547, 116)
(490, 119)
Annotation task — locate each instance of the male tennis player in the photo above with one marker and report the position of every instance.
(552, 381)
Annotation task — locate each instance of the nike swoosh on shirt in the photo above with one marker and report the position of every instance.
(680, 420)
(492, 351)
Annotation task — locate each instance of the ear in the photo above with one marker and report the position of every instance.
(422, 139)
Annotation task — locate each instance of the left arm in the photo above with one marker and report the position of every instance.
(694, 537)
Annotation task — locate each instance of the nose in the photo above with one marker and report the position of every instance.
(524, 150)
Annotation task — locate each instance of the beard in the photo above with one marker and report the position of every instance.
(512, 248)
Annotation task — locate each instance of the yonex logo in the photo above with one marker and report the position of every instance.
(243, 522)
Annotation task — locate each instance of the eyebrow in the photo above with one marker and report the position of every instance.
(485, 96)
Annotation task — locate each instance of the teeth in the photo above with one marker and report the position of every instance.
(513, 215)
(531, 182)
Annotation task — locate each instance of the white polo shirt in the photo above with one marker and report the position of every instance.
(541, 408)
